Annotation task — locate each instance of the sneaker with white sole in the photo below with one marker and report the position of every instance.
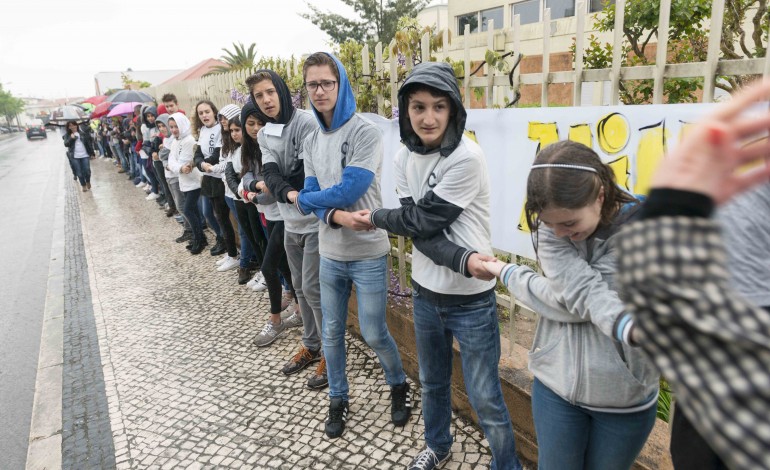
(257, 278)
(427, 459)
(269, 334)
(292, 318)
(259, 286)
(152, 196)
(139, 185)
(222, 260)
(230, 263)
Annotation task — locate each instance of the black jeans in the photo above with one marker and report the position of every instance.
(222, 214)
(160, 173)
(275, 262)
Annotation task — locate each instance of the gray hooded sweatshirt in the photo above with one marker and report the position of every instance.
(574, 353)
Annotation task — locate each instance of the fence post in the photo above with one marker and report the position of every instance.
(579, 39)
(378, 73)
(660, 60)
(445, 43)
(401, 262)
(467, 79)
(546, 57)
(490, 69)
(766, 72)
(715, 38)
(617, 51)
(425, 47)
(516, 53)
(393, 76)
(366, 70)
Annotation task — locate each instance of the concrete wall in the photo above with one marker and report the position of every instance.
(516, 383)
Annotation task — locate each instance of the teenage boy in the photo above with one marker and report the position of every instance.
(442, 182)
(281, 144)
(343, 160)
(171, 104)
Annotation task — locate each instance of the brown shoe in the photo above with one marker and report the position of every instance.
(319, 379)
(301, 360)
(85, 188)
(89, 185)
(121, 170)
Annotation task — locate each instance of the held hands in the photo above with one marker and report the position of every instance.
(292, 196)
(262, 187)
(483, 266)
(359, 220)
(207, 167)
(186, 169)
(707, 159)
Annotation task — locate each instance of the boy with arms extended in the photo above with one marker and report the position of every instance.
(443, 186)
(343, 160)
(281, 144)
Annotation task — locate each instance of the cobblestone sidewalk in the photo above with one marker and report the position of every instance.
(185, 387)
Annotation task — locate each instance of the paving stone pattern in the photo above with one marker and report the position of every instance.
(185, 386)
(86, 435)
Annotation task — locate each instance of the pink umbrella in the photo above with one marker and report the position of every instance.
(123, 108)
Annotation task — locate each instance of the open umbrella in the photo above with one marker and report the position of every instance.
(94, 100)
(123, 108)
(63, 114)
(124, 96)
(88, 107)
(102, 109)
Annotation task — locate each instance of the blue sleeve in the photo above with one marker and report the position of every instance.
(355, 182)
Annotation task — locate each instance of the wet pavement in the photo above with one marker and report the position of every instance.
(180, 384)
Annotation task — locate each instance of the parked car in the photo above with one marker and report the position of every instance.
(36, 129)
(5, 130)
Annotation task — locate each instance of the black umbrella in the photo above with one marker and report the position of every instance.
(124, 96)
(64, 114)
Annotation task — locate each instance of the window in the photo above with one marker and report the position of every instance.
(598, 5)
(528, 11)
(495, 14)
(560, 8)
(471, 19)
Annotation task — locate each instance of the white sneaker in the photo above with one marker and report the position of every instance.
(222, 260)
(152, 197)
(230, 263)
(257, 277)
(139, 185)
(259, 286)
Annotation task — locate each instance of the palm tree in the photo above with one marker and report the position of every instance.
(240, 59)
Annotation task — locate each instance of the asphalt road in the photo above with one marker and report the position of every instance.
(29, 177)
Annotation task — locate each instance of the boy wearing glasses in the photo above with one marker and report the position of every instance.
(343, 160)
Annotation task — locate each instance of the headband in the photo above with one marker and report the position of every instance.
(564, 165)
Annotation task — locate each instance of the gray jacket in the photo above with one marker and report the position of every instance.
(574, 353)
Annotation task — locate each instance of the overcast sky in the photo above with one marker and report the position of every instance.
(53, 48)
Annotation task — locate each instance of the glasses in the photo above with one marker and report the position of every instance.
(326, 85)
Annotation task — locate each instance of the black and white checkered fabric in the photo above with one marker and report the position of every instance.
(711, 345)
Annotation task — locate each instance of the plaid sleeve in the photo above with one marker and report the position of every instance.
(711, 345)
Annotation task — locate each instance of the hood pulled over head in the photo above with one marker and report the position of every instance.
(439, 76)
(346, 100)
(164, 119)
(183, 124)
(149, 110)
(284, 98)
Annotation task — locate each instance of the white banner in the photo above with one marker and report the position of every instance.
(632, 139)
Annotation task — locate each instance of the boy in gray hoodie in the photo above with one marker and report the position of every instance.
(281, 144)
(443, 186)
(343, 160)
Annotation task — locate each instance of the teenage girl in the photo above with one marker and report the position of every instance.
(180, 160)
(275, 261)
(594, 397)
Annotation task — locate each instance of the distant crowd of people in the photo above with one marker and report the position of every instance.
(629, 287)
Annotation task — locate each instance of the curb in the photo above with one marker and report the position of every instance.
(45, 432)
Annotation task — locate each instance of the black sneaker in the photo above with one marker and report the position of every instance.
(244, 275)
(400, 404)
(186, 236)
(319, 379)
(428, 460)
(301, 360)
(338, 414)
(218, 248)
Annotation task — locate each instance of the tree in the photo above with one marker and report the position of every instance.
(10, 106)
(687, 42)
(377, 19)
(131, 84)
(239, 60)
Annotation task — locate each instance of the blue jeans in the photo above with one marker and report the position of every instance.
(573, 438)
(207, 209)
(191, 213)
(475, 327)
(247, 250)
(82, 167)
(371, 280)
